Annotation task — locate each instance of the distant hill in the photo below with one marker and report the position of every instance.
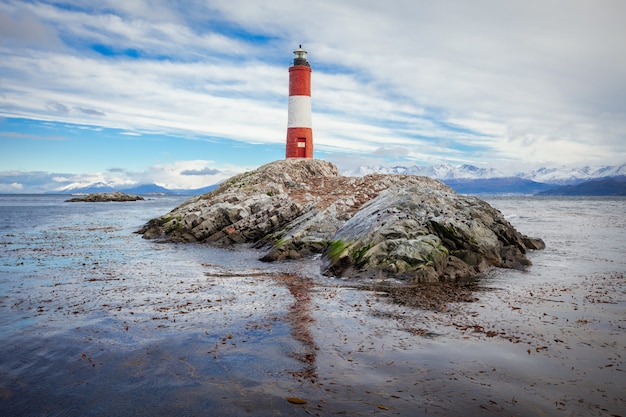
(143, 189)
(197, 191)
(147, 189)
(604, 187)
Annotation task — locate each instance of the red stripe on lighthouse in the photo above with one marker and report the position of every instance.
(300, 81)
(299, 142)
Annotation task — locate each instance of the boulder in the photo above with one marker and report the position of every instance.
(425, 235)
(407, 227)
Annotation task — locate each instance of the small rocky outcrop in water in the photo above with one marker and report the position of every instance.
(103, 197)
(403, 226)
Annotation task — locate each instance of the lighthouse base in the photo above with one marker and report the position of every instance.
(299, 142)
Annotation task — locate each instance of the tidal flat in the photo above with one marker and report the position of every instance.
(97, 321)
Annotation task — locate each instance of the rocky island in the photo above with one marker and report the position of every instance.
(104, 197)
(402, 226)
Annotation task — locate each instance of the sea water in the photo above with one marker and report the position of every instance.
(95, 321)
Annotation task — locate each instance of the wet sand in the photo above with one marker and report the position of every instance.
(225, 343)
(190, 330)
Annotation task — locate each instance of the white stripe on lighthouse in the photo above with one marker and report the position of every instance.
(299, 112)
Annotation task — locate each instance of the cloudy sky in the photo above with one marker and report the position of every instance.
(185, 94)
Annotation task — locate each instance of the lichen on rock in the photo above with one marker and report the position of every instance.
(406, 227)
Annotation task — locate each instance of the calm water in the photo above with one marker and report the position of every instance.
(96, 321)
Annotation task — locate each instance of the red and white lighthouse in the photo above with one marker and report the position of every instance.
(299, 131)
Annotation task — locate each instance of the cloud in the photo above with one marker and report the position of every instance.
(177, 175)
(522, 65)
(90, 112)
(17, 135)
(62, 109)
(58, 108)
(24, 28)
(203, 171)
(419, 81)
(14, 187)
(26, 182)
(186, 174)
(391, 151)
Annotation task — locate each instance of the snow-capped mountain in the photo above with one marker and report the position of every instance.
(469, 179)
(440, 172)
(573, 175)
(96, 187)
(558, 176)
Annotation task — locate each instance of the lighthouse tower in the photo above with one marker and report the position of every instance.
(299, 131)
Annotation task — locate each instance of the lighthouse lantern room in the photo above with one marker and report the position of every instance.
(299, 130)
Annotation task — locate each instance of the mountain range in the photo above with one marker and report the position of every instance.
(555, 176)
(464, 179)
(144, 189)
(470, 179)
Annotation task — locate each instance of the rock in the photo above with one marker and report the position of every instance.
(426, 235)
(534, 243)
(407, 227)
(104, 197)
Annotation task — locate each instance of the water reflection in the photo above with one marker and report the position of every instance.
(300, 317)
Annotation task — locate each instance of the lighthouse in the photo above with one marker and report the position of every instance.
(299, 131)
